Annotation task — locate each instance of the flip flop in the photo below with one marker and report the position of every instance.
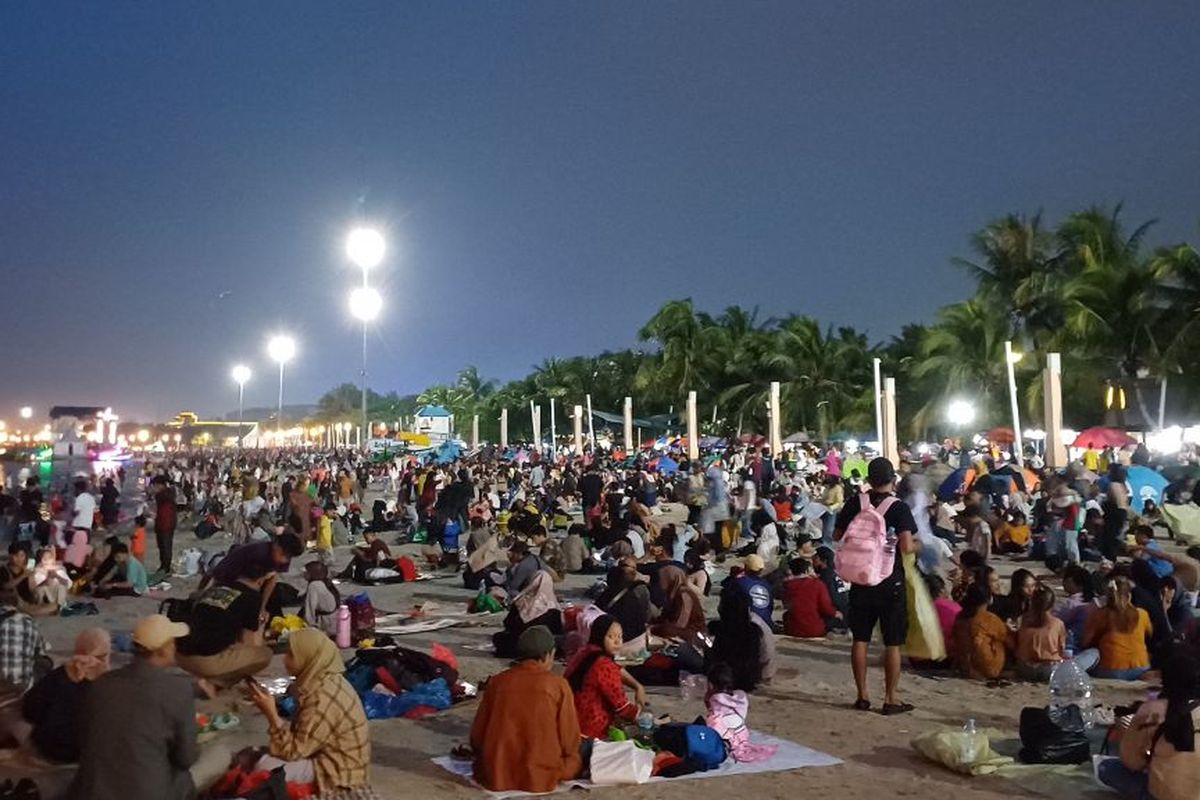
(891, 709)
(862, 705)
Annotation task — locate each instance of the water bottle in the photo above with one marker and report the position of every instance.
(645, 722)
(972, 743)
(1070, 685)
(343, 627)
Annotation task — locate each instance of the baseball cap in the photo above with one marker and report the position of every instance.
(154, 631)
(754, 563)
(880, 472)
(535, 643)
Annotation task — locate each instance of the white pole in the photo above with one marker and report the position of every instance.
(1162, 403)
(628, 425)
(1018, 447)
(878, 405)
(504, 429)
(591, 429)
(776, 430)
(579, 431)
(693, 428)
(553, 431)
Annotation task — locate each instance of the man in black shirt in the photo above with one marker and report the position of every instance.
(591, 486)
(884, 603)
(225, 643)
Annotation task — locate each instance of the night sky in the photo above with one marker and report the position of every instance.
(176, 178)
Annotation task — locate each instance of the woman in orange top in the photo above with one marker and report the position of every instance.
(1120, 630)
(981, 639)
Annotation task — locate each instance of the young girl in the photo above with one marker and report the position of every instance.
(1042, 640)
(980, 637)
(1119, 629)
(727, 711)
(321, 598)
(599, 683)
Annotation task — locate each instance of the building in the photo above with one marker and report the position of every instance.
(192, 430)
(435, 422)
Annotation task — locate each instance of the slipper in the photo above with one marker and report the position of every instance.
(862, 705)
(890, 709)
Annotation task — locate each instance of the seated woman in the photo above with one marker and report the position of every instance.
(1011, 606)
(627, 600)
(682, 613)
(1159, 757)
(525, 736)
(1042, 640)
(482, 569)
(54, 705)
(329, 729)
(806, 602)
(1077, 606)
(599, 682)
(1119, 630)
(16, 583)
(321, 599)
(980, 637)
(535, 605)
(1013, 534)
(50, 581)
(125, 577)
(739, 642)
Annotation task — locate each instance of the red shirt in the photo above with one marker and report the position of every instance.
(808, 604)
(783, 510)
(602, 699)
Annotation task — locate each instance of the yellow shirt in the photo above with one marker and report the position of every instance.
(1118, 650)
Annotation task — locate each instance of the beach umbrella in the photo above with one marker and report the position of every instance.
(800, 437)
(1102, 437)
(958, 482)
(1144, 484)
(1184, 522)
(667, 466)
(1001, 436)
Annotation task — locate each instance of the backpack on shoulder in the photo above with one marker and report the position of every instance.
(863, 559)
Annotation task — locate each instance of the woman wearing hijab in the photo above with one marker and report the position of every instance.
(321, 599)
(627, 600)
(683, 610)
(329, 728)
(535, 605)
(54, 703)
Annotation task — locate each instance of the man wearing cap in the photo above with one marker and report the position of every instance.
(525, 736)
(885, 603)
(751, 584)
(139, 736)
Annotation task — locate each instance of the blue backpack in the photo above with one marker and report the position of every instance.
(699, 745)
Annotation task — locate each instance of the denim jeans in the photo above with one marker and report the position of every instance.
(1071, 540)
(827, 524)
(1130, 784)
(1122, 674)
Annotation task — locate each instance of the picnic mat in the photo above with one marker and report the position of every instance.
(789, 756)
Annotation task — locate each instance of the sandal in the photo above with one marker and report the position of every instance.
(891, 709)
(862, 704)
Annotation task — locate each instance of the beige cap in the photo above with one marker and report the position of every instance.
(754, 563)
(154, 631)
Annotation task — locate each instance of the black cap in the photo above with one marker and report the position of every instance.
(880, 472)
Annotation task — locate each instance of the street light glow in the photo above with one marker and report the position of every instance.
(241, 374)
(1015, 357)
(365, 303)
(26, 412)
(281, 348)
(960, 413)
(365, 247)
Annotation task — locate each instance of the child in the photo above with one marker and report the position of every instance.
(325, 535)
(727, 711)
(137, 543)
(806, 601)
(126, 577)
(1042, 640)
(1147, 548)
(980, 637)
(947, 611)
(1013, 535)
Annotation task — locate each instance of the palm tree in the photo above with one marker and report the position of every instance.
(963, 353)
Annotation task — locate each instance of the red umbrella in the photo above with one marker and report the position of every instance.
(1001, 436)
(1103, 437)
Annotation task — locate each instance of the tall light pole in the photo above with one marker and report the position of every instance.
(365, 247)
(1010, 361)
(281, 349)
(241, 374)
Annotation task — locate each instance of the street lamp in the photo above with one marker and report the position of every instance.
(1010, 361)
(241, 374)
(365, 247)
(281, 349)
(960, 413)
(26, 412)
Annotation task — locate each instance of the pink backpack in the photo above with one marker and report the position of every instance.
(864, 559)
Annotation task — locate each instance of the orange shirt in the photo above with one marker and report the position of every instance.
(980, 645)
(1118, 650)
(137, 544)
(1044, 644)
(526, 734)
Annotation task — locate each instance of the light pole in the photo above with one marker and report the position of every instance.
(365, 247)
(1010, 361)
(960, 413)
(241, 374)
(281, 349)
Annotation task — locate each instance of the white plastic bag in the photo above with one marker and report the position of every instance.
(615, 763)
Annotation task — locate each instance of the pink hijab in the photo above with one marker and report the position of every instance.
(93, 646)
(78, 550)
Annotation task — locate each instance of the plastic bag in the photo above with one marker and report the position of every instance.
(947, 747)
(435, 694)
(925, 638)
(616, 763)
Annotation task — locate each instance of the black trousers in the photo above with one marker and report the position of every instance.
(166, 541)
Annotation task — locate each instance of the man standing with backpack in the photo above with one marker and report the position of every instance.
(876, 530)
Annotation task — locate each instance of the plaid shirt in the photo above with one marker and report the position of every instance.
(330, 728)
(20, 644)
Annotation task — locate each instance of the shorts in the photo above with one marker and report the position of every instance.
(884, 605)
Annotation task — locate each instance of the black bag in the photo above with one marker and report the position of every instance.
(177, 609)
(1053, 736)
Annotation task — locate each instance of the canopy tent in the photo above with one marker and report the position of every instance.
(1103, 437)
(666, 465)
(1001, 436)
(1184, 522)
(1177, 472)
(957, 482)
(799, 437)
(1145, 484)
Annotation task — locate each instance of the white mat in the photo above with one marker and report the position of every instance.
(789, 756)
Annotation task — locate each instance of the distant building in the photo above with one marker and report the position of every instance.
(192, 430)
(435, 422)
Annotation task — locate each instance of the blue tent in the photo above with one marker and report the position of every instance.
(955, 483)
(667, 466)
(448, 452)
(1145, 484)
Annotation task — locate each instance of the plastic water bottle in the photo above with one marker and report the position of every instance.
(343, 626)
(972, 744)
(645, 723)
(1070, 685)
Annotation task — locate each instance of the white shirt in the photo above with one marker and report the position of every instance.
(85, 511)
(635, 541)
(768, 544)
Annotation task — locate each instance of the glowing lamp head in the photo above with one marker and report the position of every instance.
(960, 413)
(241, 374)
(281, 349)
(365, 247)
(26, 412)
(365, 303)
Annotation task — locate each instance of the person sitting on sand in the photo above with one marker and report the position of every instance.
(127, 576)
(599, 682)
(55, 703)
(321, 599)
(50, 581)
(981, 639)
(806, 602)
(16, 586)
(627, 600)
(526, 736)
(369, 556)
(1042, 640)
(536, 605)
(1013, 534)
(682, 613)
(1119, 630)
(740, 640)
(1011, 606)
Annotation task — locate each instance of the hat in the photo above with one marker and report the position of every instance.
(154, 631)
(754, 563)
(880, 472)
(1063, 497)
(534, 643)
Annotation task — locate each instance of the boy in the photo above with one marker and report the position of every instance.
(137, 543)
(126, 577)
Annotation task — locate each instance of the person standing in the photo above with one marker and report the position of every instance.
(165, 518)
(883, 604)
(110, 503)
(139, 724)
(85, 507)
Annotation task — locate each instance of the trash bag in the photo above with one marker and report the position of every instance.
(925, 639)
(435, 694)
(1053, 736)
(950, 748)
